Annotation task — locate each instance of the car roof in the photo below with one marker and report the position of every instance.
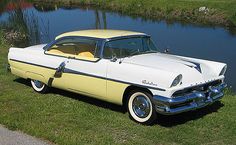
(100, 33)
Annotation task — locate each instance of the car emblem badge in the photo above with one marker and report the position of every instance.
(148, 83)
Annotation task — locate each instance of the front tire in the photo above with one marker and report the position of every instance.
(141, 108)
(39, 86)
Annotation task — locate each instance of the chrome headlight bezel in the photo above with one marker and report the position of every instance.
(223, 70)
(177, 80)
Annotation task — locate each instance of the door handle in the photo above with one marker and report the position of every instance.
(60, 70)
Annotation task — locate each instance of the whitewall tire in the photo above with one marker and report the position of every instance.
(141, 108)
(39, 86)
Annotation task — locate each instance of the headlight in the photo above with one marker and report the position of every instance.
(222, 72)
(177, 81)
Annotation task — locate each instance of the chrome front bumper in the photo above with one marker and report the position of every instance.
(191, 101)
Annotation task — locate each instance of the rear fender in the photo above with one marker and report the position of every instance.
(36, 76)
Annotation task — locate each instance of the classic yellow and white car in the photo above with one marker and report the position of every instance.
(121, 67)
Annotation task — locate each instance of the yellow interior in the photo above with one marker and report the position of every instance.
(80, 51)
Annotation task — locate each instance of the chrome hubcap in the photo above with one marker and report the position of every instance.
(38, 84)
(141, 106)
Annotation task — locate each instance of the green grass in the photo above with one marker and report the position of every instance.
(67, 118)
(222, 12)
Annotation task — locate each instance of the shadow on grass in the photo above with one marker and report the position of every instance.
(169, 121)
(23, 81)
(90, 100)
(163, 120)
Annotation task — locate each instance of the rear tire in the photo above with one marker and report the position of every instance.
(141, 108)
(39, 86)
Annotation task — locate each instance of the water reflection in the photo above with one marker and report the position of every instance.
(45, 8)
(21, 26)
(41, 23)
(16, 23)
(3, 6)
(100, 23)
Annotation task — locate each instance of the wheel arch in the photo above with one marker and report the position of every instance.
(131, 88)
(35, 76)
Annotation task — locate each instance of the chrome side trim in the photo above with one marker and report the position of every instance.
(111, 79)
(66, 70)
(48, 67)
(191, 101)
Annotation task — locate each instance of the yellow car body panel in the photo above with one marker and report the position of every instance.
(104, 34)
(107, 90)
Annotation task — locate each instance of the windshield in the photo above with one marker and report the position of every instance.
(129, 47)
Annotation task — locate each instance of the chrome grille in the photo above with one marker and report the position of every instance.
(199, 88)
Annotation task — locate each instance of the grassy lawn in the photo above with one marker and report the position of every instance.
(67, 118)
(221, 12)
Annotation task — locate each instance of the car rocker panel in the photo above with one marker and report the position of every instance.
(79, 62)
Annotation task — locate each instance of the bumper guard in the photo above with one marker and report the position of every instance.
(191, 101)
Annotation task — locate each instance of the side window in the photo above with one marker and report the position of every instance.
(63, 47)
(79, 48)
(122, 48)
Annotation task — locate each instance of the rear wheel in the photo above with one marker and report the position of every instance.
(141, 108)
(39, 86)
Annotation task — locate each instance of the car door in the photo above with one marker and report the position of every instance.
(87, 77)
(81, 70)
(118, 73)
(85, 72)
(56, 55)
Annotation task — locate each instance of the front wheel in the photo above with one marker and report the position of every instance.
(141, 108)
(39, 86)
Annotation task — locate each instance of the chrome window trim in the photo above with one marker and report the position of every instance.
(46, 48)
(120, 38)
(101, 41)
(69, 37)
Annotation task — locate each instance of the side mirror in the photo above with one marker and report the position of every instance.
(113, 58)
(167, 50)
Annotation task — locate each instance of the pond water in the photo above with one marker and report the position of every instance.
(42, 24)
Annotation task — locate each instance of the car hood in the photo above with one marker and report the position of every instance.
(194, 71)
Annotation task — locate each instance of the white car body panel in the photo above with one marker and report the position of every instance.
(174, 84)
(158, 68)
